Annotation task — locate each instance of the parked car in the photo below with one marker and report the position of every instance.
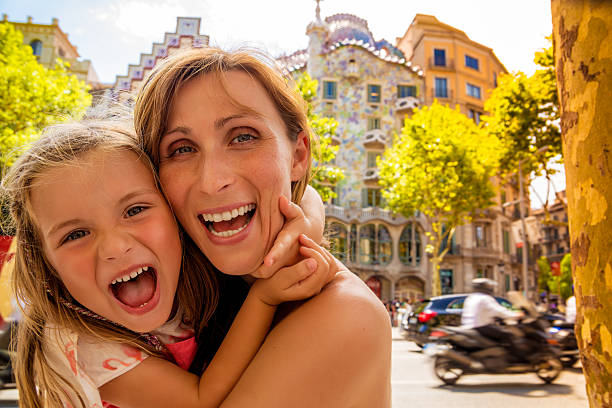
(440, 310)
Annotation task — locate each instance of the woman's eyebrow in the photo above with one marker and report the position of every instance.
(180, 129)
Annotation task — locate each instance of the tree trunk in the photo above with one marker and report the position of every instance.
(582, 34)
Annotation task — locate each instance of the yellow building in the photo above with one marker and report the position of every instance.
(458, 71)
(49, 42)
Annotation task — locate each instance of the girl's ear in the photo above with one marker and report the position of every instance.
(301, 156)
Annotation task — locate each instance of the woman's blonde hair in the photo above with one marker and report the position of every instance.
(156, 96)
(44, 298)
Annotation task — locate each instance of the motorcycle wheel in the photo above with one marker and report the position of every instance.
(548, 369)
(569, 361)
(447, 370)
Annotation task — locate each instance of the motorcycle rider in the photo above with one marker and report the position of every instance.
(480, 310)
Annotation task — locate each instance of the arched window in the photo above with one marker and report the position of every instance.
(337, 239)
(367, 244)
(385, 245)
(36, 47)
(405, 246)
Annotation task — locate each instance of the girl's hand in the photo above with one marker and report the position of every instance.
(300, 281)
(309, 221)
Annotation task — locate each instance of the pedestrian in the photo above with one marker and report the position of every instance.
(226, 129)
(109, 296)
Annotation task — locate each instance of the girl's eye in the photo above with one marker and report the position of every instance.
(74, 235)
(135, 210)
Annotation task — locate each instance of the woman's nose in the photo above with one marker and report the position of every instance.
(114, 245)
(215, 174)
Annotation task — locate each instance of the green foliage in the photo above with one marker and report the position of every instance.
(524, 115)
(32, 96)
(324, 173)
(558, 285)
(440, 165)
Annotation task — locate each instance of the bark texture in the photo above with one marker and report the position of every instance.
(582, 35)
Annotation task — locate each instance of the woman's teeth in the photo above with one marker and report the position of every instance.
(228, 215)
(226, 234)
(130, 275)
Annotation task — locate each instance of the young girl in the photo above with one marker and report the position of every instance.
(112, 289)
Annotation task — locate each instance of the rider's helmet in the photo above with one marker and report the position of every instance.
(484, 285)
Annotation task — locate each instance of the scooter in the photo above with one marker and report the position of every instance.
(458, 351)
(563, 332)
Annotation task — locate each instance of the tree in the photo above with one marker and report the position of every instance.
(524, 115)
(582, 36)
(325, 174)
(560, 285)
(544, 274)
(440, 165)
(32, 96)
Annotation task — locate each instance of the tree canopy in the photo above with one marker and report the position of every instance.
(524, 115)
(325, 174)
(32, 96)
(440, 165)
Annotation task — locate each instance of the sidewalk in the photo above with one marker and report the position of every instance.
(396, 334)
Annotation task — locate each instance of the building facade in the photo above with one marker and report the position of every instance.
(49, 43)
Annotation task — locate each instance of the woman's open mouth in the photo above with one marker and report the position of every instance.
(135, 289)
(228, 223)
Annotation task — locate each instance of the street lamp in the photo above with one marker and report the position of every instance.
(523, 224)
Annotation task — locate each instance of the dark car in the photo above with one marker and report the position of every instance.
(440, 310)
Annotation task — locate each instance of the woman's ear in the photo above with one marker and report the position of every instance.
(301, 156)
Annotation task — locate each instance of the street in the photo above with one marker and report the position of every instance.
(415, 385)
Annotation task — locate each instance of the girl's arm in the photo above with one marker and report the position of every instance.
(158, 383)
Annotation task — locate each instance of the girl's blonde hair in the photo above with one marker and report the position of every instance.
(44, 298)
(155, 98)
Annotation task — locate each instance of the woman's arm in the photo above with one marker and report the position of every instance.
(332, 351)
(168, 385)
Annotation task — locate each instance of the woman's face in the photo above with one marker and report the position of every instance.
(223, 168)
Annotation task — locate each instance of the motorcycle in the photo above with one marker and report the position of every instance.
(7, 376)
(563, 332)
(458, 351)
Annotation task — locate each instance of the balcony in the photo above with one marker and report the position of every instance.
(406, 103)
(375, 138)
(450, 95)
(334, 139)
(363, 215)
(370, 174)
(449, 66)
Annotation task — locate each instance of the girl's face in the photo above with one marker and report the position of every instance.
(223, 168)
(111, 237)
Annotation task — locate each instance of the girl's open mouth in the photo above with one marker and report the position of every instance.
(136, 288)
(228, 223)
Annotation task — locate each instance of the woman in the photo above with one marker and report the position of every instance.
(229, 134)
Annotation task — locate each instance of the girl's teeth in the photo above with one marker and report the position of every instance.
(131, 275)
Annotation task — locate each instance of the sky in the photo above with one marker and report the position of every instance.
(113, 33)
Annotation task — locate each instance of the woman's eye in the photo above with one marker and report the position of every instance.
(135, 210)
(74, 235)
(243, 137)
(181, 150)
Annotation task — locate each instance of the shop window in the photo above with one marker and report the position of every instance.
(384, 245)
(446, 281)
(367, 244)
(338, 234)
(405, 245)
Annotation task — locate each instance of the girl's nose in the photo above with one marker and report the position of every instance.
(114, 245)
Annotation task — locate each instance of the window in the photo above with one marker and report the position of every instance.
(453, 250)
(61, 52)
(329, 90)
(495, 79)
(36, 47)
(404, 91)
(372, 159)
(371, 197)
(367, 248)
(373, 123)
(481, 235)
(472, 90)
(384, 246)
(471, 62)
(506, 241)
(456, 304)
(474, 115)
(439, 57)
(446, 281)
(353, 243)
(405, 245)
(373, 93)
(441, 90)
(338, 240)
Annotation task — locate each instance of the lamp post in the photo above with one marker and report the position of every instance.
(523, 224)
